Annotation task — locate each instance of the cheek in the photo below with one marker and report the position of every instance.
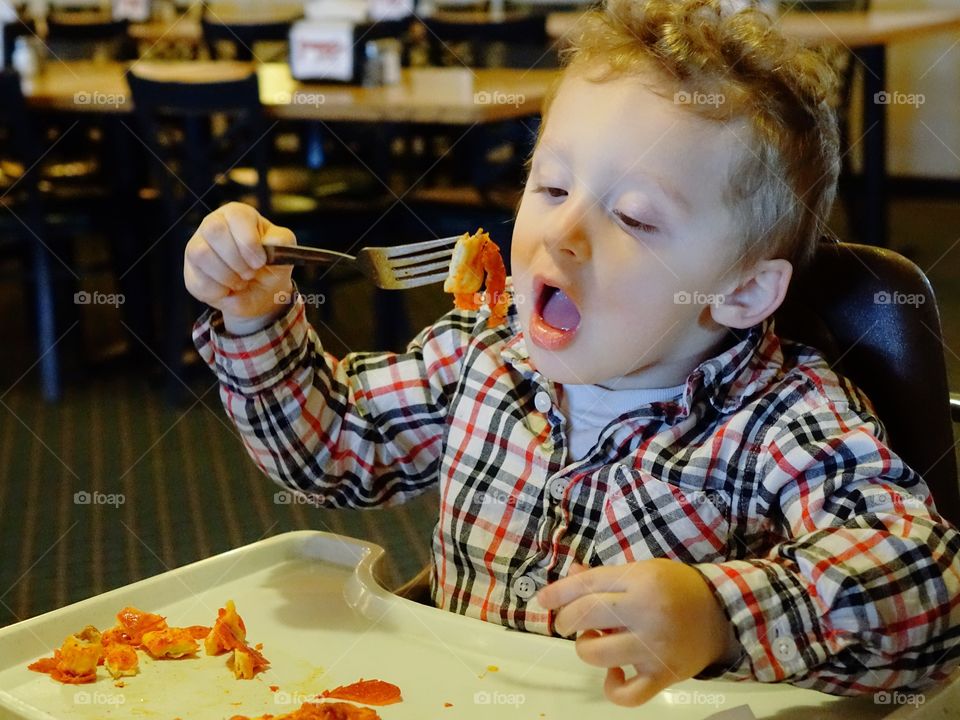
(523, 243)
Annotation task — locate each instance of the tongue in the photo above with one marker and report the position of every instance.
(560, 311)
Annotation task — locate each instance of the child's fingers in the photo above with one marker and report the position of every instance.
(635, 691)
(202, 286)
(595, 611)
(208, 261)
(247, 232)
(608, 650)
(575, 585)
(279, 236)
(224, 236)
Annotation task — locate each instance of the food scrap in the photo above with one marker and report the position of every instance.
(247, 662)
(230, 634)
(474, 256)
(169, 643)
(321, 711)
(371, 692)
(121, 660)
(76, 661)
(228, 631)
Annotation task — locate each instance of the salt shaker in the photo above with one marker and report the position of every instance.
(372, 67)
(390, 62)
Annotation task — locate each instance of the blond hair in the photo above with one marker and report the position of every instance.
(784, 185)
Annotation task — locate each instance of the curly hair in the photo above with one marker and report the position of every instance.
(785, 183)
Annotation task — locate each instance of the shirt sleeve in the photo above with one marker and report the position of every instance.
(362, 431)
(860, 589)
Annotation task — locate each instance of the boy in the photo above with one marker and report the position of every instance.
(678, 488)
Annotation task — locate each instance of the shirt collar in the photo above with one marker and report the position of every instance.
(730, 378)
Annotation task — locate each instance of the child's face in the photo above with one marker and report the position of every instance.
(624, 211)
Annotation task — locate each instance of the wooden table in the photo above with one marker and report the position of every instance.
(866, 34)
(449, 96)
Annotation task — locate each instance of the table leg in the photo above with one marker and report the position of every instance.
(873, 209)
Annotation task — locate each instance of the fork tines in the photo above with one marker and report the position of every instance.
(399, 251)
(415, 261)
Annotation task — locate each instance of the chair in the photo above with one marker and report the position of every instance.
(81, 35)
(241, 36)
(22, 210)
(852, 304)
(874, 312)
(519, 41)
(492, 157)
(177, 124)
(199, 133)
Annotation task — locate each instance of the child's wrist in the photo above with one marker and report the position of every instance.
(248, 325)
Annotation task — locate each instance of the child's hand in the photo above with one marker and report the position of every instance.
(657, 615)
(225, 267)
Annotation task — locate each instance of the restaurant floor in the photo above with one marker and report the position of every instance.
(176, 482)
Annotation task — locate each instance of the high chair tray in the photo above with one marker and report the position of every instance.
(313, 601)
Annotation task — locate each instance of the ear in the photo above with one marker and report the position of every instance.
(757, 296)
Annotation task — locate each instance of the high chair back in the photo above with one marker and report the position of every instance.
(874, 314)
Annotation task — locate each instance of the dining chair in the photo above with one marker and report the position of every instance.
(201, 133)
(194, 132)
(79, 36)
(44, 215)
(515, 42)
(240, 38)
(491, 159)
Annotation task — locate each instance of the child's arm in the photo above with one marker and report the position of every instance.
(862, 592)
(361, 431)
(849, 582)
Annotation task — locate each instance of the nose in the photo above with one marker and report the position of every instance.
(566, 232)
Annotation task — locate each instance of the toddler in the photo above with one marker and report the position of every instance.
(635, 459)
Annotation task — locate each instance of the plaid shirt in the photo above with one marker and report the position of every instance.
(769, 476)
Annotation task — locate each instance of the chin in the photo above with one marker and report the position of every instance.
(562, 367)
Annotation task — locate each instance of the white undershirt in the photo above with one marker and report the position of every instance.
(590, 408)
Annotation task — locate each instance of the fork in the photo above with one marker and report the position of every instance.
(391, 268)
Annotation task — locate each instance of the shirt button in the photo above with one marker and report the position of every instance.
(524, 587)
(557, 487)
(784, 648)
(542, 401)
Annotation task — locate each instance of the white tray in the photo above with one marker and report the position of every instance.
(312, 600)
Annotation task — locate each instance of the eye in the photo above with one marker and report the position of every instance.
(632, 223)
(553, 192)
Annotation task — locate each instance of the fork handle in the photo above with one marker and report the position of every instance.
(299, 255)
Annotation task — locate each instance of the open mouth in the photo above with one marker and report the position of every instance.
(555, 318)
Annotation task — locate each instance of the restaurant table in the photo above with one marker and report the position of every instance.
(867, 34)
(450, 96)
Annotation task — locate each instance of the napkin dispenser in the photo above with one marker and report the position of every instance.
(332, 50)
(324, 50)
